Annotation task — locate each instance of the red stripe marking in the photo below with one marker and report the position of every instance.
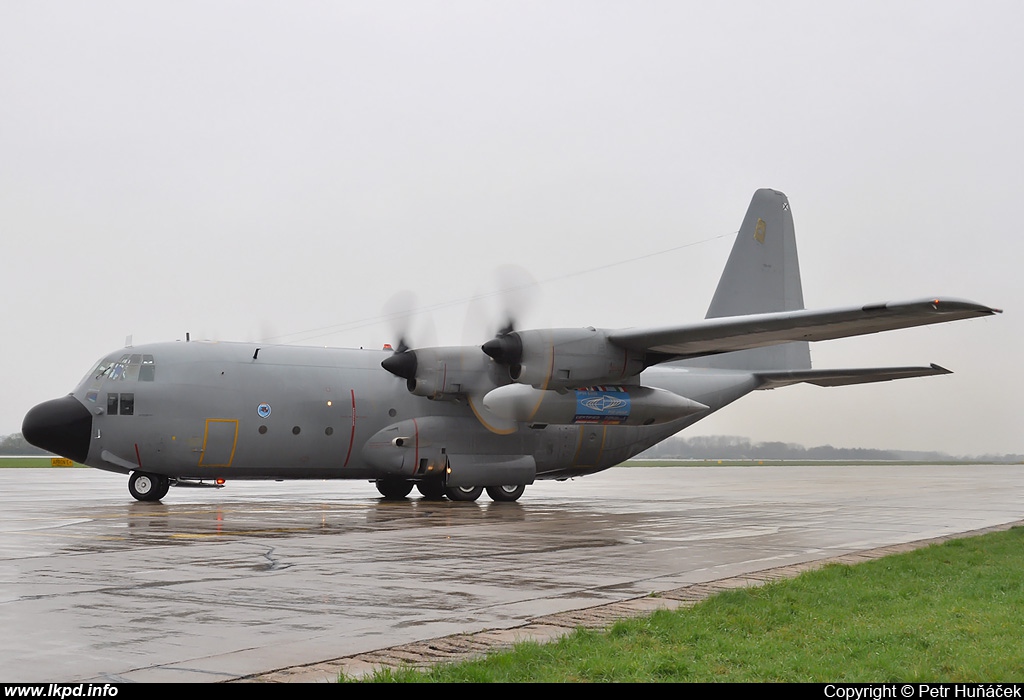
(137, 457)
(416, 428)
(352, 436)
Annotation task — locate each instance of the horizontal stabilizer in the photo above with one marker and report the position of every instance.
(844, 377)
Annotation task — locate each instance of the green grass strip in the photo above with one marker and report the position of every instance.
(32, 463)
(952, 612)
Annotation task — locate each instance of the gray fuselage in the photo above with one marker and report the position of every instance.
(207, 410)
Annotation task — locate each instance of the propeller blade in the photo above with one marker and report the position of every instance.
(515, 293)
(398, 311)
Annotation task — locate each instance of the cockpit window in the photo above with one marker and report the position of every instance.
(100, 370)
(147, 372)
(131, 367)
(128, 367)
(118, 371)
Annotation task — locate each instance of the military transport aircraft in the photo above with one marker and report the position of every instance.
(453, 421)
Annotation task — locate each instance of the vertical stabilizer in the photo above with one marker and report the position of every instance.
(761, 276)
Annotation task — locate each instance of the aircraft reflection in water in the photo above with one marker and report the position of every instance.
(453, 421)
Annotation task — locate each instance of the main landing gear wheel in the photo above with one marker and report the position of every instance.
(463, 493)
(394, 489)
(148, 487)
(432, 490)
(506, 494)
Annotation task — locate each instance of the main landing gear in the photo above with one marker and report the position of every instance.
(394, 489)
(435, 490)
(463, 493)
(431, 489)
(506, 494)
(144, 486)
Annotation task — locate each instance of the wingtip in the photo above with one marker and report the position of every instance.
(955, 304)
(941, 370)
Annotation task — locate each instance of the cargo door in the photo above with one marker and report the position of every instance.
(219, 441)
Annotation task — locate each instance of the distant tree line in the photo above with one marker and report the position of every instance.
(733, 447)
(14, 444)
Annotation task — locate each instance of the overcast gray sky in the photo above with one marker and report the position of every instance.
(241, 170)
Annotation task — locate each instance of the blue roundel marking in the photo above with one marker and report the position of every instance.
(263, 409)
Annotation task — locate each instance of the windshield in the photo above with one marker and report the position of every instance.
(122, 367)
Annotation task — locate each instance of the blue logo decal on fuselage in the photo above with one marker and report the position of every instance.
(263, 410)
(598, 406)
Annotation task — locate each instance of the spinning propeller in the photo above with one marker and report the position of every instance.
(400, 311)
(515, 293)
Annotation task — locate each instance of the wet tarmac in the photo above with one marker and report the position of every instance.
(213, 585)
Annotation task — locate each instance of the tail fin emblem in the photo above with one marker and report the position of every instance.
(759, 231)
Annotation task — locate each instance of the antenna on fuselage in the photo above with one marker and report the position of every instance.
(186, 336)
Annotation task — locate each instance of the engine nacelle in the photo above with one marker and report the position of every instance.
(609, 405)
(564, 358)
(445, 373)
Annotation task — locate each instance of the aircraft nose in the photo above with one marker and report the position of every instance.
(62, 426)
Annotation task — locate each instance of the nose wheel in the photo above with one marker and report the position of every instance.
(144, 486)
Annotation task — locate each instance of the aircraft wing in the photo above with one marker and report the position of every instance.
(774, 379)
(717, 335)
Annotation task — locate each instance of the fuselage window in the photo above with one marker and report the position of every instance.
(111, 404)
(127, 404)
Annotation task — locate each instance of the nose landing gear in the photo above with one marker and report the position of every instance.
(144, 486)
